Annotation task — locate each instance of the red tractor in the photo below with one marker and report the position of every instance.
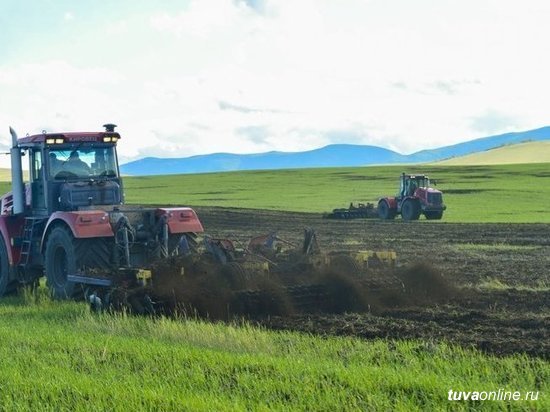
(69, 221)
(415, 197)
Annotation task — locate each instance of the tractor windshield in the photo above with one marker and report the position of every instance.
(70, 163)
(422, 181)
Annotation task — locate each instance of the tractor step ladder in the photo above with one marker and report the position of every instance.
(29, 233)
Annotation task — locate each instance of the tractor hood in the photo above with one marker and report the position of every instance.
(429, 190)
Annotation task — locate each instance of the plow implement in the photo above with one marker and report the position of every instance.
(271, 276)
(361, 211)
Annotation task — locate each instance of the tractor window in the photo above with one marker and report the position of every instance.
(36, 165)
(83, 162)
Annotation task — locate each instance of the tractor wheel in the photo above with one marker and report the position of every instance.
(433, 215)
(5, 285)
(60, 261)
(235, 276)
(344, 265)
(410, 210)
(384, 210)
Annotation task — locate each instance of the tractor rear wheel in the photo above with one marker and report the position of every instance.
(5, 285)
(384, 210)
(433, 215)
(60, 261)
(410, 210)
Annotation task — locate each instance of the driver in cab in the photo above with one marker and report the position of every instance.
(76, 166)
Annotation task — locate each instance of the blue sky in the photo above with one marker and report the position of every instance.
(189, 77)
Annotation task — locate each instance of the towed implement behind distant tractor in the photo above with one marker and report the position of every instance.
(415, 197)
(361, 211)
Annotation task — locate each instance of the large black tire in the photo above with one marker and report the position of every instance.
(410, 210)
(60, 261)
(433, 215)
(6, 286)
(66, 255)
(384, 210)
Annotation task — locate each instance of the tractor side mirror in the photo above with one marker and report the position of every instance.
(434, 182)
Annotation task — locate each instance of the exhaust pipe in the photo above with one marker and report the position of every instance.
(17, 186)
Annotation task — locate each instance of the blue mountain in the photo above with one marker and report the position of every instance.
(332, 155)
(337, 155)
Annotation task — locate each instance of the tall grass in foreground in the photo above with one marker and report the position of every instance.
(59, 356)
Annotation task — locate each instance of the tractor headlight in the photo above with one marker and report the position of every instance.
(56, 140)
(110, 139)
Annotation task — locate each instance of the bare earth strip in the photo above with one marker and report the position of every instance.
(512, 317)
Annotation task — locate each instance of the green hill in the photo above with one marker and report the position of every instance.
(529, 152)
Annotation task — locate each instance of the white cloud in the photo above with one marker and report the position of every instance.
(248, 76)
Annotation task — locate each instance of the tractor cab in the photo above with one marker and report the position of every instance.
(72, 171)
(409, 184)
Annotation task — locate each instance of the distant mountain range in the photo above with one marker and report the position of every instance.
(336, 155)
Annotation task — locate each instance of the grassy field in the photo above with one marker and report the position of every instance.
(509, 193)
(504, 193)
(58, 356)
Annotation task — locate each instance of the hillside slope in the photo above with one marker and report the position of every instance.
(531, 152)
(479, 145)
(341, 155)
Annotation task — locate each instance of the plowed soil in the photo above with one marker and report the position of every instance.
(496, 319)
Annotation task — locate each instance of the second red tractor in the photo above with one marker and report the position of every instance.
(415, 197)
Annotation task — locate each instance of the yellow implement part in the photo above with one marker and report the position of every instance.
(143, 274)
(373, 258)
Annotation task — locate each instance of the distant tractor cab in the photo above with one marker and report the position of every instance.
(69, 221)
(415, 197)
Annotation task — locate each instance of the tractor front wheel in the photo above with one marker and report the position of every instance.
(384, 210)
(410, 210)
(60, 261)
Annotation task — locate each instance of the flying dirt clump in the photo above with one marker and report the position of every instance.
(345, 293)
(208, 290)
(423, 283)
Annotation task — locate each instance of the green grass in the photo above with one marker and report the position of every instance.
(502, 247)
(509, 193)
(497, 284)
(58, 356)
